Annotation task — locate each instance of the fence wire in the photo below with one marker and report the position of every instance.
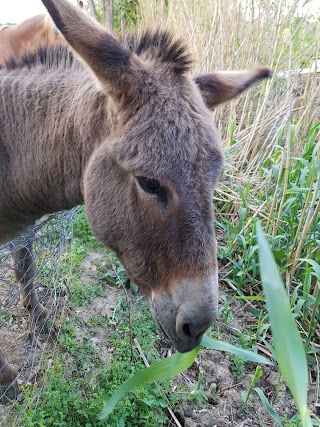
(24, 343)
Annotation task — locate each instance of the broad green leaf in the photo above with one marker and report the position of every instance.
(268, 407)
(287, 342)
(158, 371)
(211, 344)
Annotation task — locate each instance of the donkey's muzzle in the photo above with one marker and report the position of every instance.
(190, 330)
(188, 311)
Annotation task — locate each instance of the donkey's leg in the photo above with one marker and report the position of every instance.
(24, 269)
(9, 388)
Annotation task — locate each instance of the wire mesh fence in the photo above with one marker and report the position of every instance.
(24, 341)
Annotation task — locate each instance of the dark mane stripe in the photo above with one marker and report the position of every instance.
(57, 56)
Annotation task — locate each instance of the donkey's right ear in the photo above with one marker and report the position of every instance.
(223, 86)
(107, 58)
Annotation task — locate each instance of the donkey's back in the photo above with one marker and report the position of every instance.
(44, 135)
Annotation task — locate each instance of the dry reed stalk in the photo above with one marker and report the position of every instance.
(303, 215)
(311, 217)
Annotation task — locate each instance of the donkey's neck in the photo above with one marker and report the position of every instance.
(56, 122)
(85, 121)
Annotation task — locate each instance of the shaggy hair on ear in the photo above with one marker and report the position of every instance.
(161, 45)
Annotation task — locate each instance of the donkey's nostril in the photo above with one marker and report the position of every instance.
(186, 330)
(189, 332)
(191, 329)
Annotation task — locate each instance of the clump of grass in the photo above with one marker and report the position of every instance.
(238, 367)
(82, 235)
(286, 199)
(78, 382)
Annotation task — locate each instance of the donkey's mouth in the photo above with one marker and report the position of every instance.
(187, 312)
(161, 328)
(171, 334)
(154, 313)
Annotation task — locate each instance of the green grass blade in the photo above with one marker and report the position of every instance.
(314, 264)
(287, 342)
(268, 407)
(158, 371)
(211, 344)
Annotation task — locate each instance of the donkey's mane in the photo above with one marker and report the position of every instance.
(57, 56)
(153, 45)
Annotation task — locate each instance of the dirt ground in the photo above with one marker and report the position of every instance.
(223, 402)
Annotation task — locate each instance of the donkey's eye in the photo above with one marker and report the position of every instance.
(152, 186)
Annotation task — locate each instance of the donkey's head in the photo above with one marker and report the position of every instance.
(148, 188)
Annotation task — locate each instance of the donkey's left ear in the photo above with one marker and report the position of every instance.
(113, 65)
(223, 86)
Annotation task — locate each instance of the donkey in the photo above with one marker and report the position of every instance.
(127, 131)
(16, 40)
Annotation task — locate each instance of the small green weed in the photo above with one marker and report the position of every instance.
(238, 366)
(292, 422)
(96, 320)
(198, 394)
(245, 395)
(83, 294)
(81, 231)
